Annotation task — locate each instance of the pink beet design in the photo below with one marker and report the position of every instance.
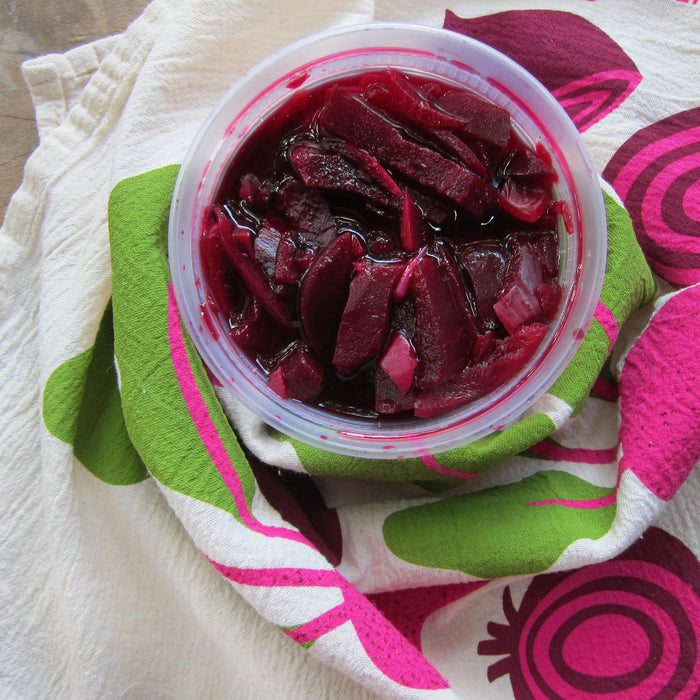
(387, 649)
(590, 87)
(625, 628)
(382, 238)
(409, 609)
(660, 397)
(656, 173)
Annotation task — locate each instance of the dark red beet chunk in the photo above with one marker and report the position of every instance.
(526, 284)
(413, 229)
(236, 242)
(385, 245)
(399, 362)
(226, 294)
(298, 375)
(522, 201)
(482, 120)
(460, 296)
(505, 360)
(347, 116)
(441, 341)
(525, 164)
(307, 212)
(324, 291)
(388, 398)
(292, 260)
(267, 242)
(485, 264)
(257, 331)
(365, 322)
(321, 165)
(371, 167)
(393, 93)
(462, 150)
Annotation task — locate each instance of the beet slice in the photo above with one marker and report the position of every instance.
(518, 306)
(509, 357)
(399, 362)
(323, 166)
(292, 260)
(349, 117)
(226, 293)
(440, 340)
(435, 209)
(524, 202)
(413, 230)
(365, 321)
(388, 399)
(522, 163)
(511, 354)
(485, 264)
(393, 93)
(403, 285)
(545, 245)
(462, 300)
(532, 266)
(252, 191)
(518, 303)
(256, 331)
(324, 291)
(266, 243)
(549, 293)
(460, 148)
(483, 345)
(370, 166)
(308, 212)
(298, 375)
(238, 245)
(403, 318)
(481, 119)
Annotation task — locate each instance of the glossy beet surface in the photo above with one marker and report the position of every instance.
(386, 244)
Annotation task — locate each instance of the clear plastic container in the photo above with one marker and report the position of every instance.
(450, 57)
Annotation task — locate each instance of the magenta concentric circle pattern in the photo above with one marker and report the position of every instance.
(662, 639)
(656, 174)
(627, 629)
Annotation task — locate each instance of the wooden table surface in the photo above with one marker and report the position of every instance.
(31, 28)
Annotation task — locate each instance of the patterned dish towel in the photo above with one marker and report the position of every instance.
(159, 541)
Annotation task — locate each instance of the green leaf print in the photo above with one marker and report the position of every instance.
(504, 530)
(82, 407)
(156, 412)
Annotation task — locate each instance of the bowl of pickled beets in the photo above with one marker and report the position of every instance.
(387, 241)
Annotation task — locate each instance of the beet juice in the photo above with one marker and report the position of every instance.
(386, 245)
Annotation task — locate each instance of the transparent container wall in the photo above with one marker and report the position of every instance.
(449, 57)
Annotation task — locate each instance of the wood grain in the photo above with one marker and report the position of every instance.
(31, 28)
